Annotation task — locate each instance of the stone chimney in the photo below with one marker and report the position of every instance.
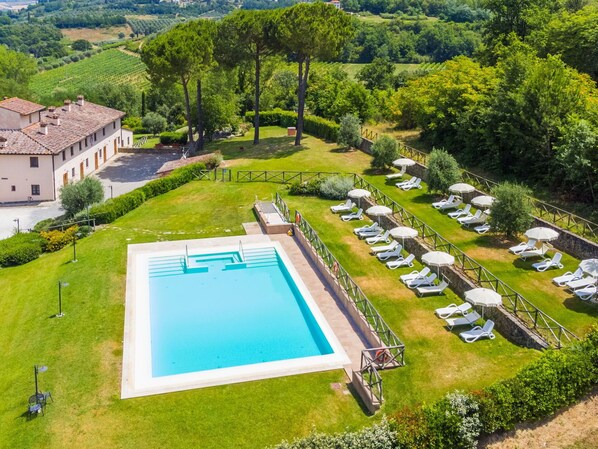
(55, 119)
(43, 128)
(67, 105)
(80, 100)
(51, 110)
(3, 141)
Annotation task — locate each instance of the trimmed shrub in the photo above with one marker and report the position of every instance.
(316, 126)
(512, 211)
(169, 138)
(20, 248)
(349, 133)
(309, 188)
(154, 123)
(57, 239)
(214, 160)
(378, 436)
(336, 187)
(443, 171)
(384, 151)
(79, 195)
(43, 225)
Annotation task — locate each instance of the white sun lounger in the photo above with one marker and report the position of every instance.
(568, 277)
(460, 212)
(452, 205)
(586, 293)
(384, 248)
(432, 289)
(381, 237)
(390, 254)
(539, 252)
(414, 185)
(437, 204)
(468, 218)
(353, 216)
(347, 206)
(415, 274)
(453, 309)
(422, 281)
(371, 232)
(476, 220)
(465, 320)
(407, 182)
(479, 332)
(482, 229)
(397, 175)
(406, 262)
(581, 283)
(374, 226)
(555, 262)
(523, 246)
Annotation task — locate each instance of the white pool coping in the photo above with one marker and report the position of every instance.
(137, 379)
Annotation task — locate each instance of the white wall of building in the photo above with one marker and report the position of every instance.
(14, 120)
(17, 176)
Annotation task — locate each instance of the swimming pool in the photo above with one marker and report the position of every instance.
(222, 314)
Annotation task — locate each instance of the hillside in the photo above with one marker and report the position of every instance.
(109, 66)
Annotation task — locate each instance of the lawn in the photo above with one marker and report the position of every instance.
(84, 348)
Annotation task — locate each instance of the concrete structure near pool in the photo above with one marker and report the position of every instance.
(137, 380)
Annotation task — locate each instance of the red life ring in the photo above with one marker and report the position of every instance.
(297, 217)
(382, 356)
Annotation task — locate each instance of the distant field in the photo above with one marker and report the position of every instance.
(352, 69)
(109, 66)
(96, 34)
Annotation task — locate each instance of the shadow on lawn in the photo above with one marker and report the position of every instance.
(268, 148)
(575, 304)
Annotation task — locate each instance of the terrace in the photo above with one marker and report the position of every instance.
(84, 349)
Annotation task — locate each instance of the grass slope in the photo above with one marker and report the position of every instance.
(111, 66)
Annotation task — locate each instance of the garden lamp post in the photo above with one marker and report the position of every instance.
(36, 370)
(75, 237)
(111, 192)
(18, 222)
(60, 285)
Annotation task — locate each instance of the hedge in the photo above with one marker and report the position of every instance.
(314, 125)
(168, 138)
(20, 248)
(119, 206)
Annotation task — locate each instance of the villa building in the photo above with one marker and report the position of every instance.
(43, 149)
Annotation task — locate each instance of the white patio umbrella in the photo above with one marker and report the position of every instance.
(378, 211)
(403, 162)
(483, 201)
(358, 193)
(590, 266)
(461, 187)
(403, 232)
(542, 234)
(438, 259)
(484, 297)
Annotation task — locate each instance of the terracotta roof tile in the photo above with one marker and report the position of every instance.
(23, 107)
(18, 142)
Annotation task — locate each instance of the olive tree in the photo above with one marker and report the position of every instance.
(443, 171)
(76, 196)
(154, 123)
(512, 210)
(384, 151)
(349, 133)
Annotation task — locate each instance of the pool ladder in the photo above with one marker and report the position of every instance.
(260, 257)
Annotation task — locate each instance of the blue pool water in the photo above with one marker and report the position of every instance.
(222, 313)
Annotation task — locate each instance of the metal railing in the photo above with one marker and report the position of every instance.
(371, 379)
(222, 174)
(555, 334)
(282, 207)
(392, 343)
(281, 176)
(85, 222)
(559, 217)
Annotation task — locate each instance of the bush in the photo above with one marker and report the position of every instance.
(213, 160)
(309, 188)
(378, 436)
(154, 123)
(316, 126)
(336, 187)
(443, 171)
(349, 133)
(43, 225)
(512, 211)
(454, 421)
(20, 248)
(57, 239)
(169, 138)
(384, 151)
(79, 195)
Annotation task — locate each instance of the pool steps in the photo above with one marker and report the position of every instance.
(260, 257)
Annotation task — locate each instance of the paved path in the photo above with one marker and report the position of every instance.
(120, 175)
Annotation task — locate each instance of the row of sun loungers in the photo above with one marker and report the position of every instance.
(463, 215)
(462, 315)
(413, 183)
(584, 287)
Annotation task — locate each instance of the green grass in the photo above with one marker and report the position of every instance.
(353, 69)
(111, 66)
(151, 141)
(84, 349)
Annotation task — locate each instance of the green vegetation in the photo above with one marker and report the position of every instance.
(349, 133)
(76, 196)
(512, 211)
(150, 26)
(443, 171)
(110, 66)
(384, 151)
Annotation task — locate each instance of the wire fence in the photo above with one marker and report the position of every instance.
(559, 217)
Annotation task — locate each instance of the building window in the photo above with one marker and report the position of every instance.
(34, 162)
(64, 155)
(80, 146)
(113, 125)
(72, 153)
(13, 188)
(31, 118)
(73, 172)
(87, 162)
(86, 142)
(35, 189)
(95, 137)
(103, 131)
